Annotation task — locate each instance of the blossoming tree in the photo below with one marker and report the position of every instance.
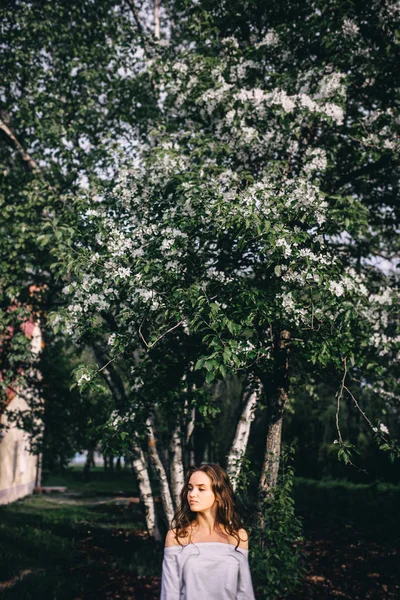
(241, 225)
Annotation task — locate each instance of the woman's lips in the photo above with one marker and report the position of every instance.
(193, 502)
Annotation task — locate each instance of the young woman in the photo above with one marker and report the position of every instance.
(205, 555)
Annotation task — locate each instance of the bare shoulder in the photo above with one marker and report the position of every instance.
(170, 539)
(244, 539)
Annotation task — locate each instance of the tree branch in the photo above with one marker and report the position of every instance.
(138, 25)
(28, 160)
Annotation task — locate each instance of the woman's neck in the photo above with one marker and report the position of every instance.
(206, 523)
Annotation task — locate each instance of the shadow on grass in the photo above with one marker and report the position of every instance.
(75, 550)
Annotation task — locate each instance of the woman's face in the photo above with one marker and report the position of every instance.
(200, 495)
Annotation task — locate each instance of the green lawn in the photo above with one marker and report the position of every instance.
(100, 482)
(66, 545)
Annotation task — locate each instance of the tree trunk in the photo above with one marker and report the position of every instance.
(105, 462)
(269, 475)
(239, 444)
(146, 494)
(156, 20)
(176, 465)
(270, 469)
(155, 457)
(38, 479)
(88, 464)
(190, 438)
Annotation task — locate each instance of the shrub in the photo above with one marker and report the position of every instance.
(276, 536)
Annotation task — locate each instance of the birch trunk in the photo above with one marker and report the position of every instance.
(146, 494)
(156, 19)
(189, 437)
(270, 470)
(242, 434)
(164, 487)
(190, 414)
(176, 465)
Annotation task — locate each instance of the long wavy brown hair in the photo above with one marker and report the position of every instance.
(227, 517)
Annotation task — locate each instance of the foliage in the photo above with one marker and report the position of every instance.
(236, 223)
(65, 113)
(275, 550)
(72, 420)
(310, 424)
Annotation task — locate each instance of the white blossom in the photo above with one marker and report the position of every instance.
(349, 28)
(288, 302)
(330, 85)
(111, 339)
(336, 288)
(334, 111)
(282, 243)
(271, 38)
(84, 377)
(124, 272)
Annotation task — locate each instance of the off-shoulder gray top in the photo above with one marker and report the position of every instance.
(206, 571)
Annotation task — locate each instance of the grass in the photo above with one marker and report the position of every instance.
(62, 544)
(100, 482)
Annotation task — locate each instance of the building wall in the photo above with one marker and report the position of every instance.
(17, 466)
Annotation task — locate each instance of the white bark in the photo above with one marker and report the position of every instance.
(156, 19)
(176, 466)
(190, 426)
(146, 495)
(189, 436)
(164, 486)
(242, 434)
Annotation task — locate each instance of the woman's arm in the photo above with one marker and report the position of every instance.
(245, 586)
(244, 539)
(170, 539)
(170, 582)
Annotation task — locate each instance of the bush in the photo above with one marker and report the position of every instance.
(275, 551)
(373, 506)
